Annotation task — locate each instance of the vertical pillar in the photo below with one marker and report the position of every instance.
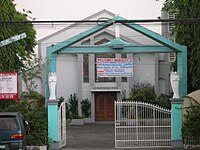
(182, 69)
(53, 124)
(176, 123)
(52, 103)
(176, 103)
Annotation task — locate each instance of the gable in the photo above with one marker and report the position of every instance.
(69, 31)
(101, 14)
(146, 32)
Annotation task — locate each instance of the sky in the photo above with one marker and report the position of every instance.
(80, 9)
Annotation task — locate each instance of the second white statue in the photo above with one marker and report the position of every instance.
(52, 85)
(174, 80)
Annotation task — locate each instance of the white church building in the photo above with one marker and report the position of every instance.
(77, 71)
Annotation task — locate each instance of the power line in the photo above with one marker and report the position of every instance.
(189, 20)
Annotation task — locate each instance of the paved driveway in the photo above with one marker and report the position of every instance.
(90, 136)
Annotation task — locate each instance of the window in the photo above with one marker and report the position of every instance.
(85, 68)
(171, 57)
(8, 123)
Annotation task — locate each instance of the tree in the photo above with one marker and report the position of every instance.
(13, 56)
(188, 34)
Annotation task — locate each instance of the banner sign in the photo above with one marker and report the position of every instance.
(114, 67)
(8, 85)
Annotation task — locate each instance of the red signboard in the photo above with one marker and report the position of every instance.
(8, 86)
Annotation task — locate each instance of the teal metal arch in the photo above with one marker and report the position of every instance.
(168, 46)
(118, 46)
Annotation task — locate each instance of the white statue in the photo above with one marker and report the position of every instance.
(52, 85)
(174, 79)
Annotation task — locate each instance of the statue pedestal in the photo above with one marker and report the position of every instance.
(53, 124)
(176, 123)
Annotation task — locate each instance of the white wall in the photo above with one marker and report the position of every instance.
(144, 68)
(67, 75)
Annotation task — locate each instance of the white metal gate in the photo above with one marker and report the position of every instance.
(62, 125)
(141, 125)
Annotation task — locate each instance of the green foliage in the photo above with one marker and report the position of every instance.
(13, 56)
(36, 117)
(164, 101)
(73, 106)
(60, 100)
(31, 106)
(38, 124)
(35, 98)
(188, 34)
(67, 111)
(85, 106)
(142, 92)
(5, 104)
(191, 124)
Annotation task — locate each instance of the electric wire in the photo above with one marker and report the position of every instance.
(106, 20)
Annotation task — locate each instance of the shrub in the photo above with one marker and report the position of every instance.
(191, 124)
(164, 101)
(73, 106)
(37, 117)
(60, 100)
(85, 106)
(142, 92)
(38, 133)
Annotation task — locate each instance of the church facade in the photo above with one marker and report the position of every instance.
(77, 70)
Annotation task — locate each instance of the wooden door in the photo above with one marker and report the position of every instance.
(104, 106)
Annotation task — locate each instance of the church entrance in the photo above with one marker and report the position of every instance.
(104, 106)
